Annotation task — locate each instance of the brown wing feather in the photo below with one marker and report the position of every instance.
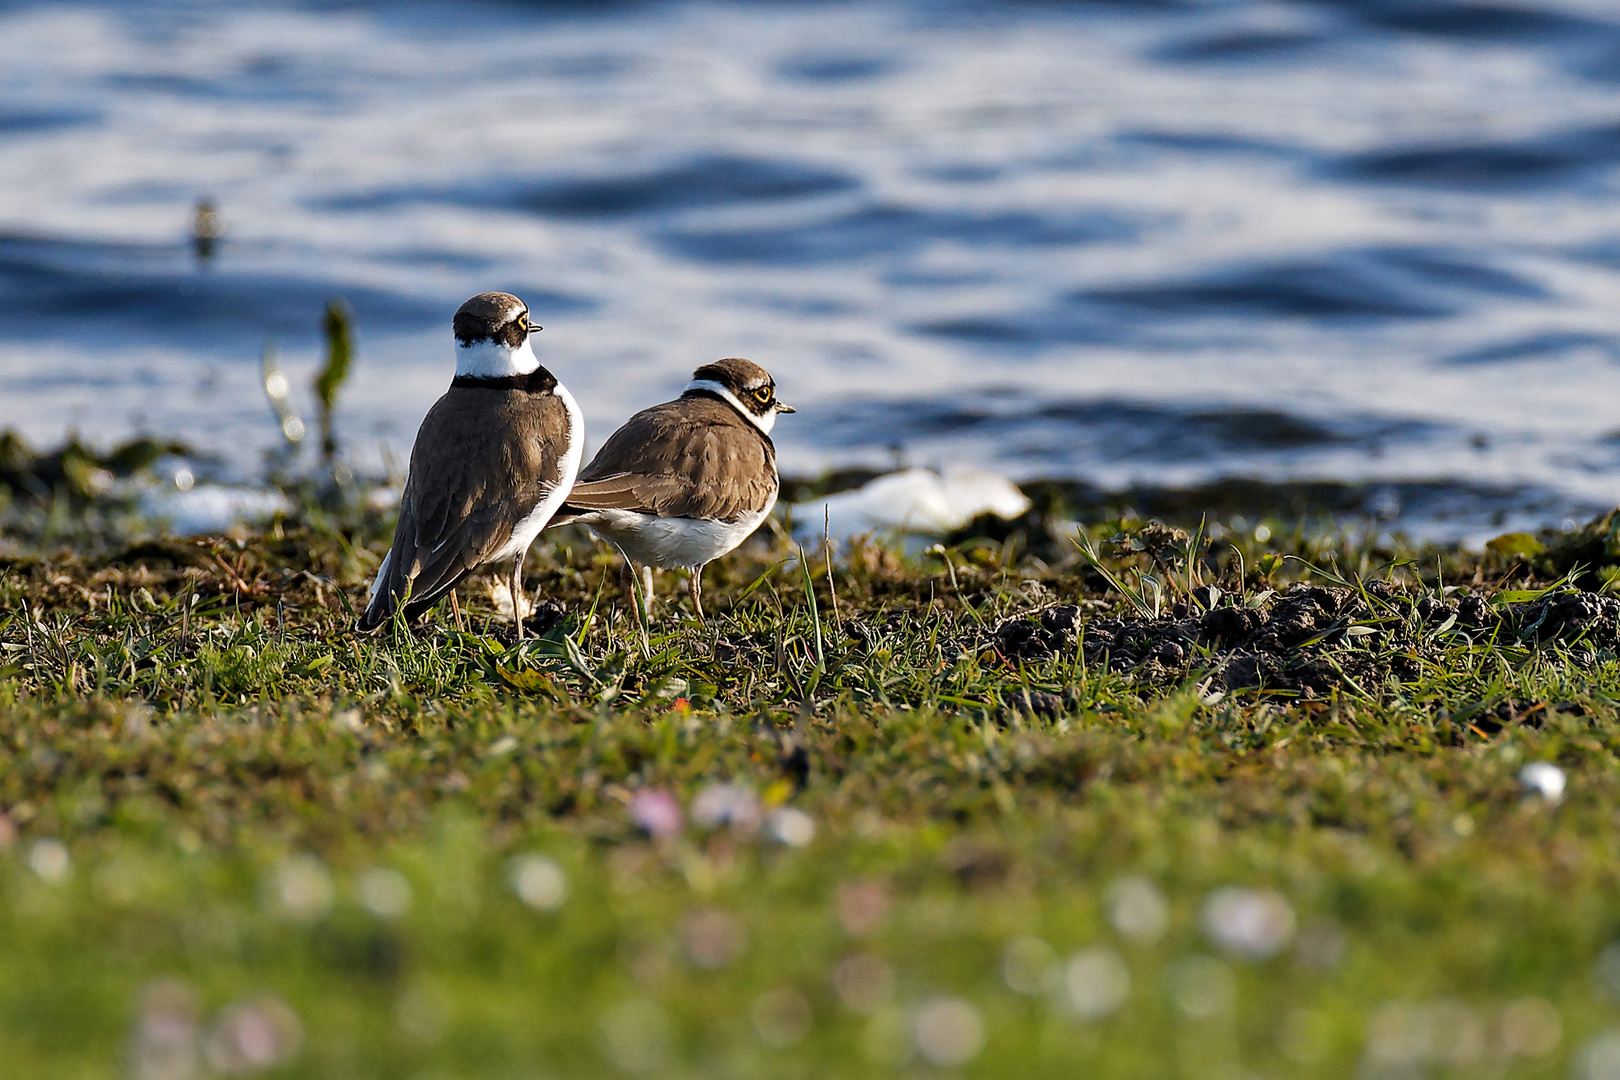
(483, 459)
(680, 459)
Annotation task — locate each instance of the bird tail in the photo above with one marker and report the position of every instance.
(386, 592)
(380, 604)
(392, 590)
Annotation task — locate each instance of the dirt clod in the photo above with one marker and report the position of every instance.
(1310, 639)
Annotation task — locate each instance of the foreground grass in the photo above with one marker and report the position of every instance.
(822, 836)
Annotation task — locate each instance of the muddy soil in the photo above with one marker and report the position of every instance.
(1309, 639)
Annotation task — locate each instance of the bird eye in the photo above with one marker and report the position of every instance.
(762, 395)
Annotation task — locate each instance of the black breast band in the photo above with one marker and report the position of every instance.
(538, 381)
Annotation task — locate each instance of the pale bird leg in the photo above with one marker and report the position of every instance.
(517, 592)
(694, 586)
(455, 610)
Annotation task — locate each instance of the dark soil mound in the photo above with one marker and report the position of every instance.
(1309, 639)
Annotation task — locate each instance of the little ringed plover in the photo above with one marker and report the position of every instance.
(682, 483)
(493, 461)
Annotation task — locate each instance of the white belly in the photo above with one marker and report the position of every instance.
(524, 532)
(668, 543)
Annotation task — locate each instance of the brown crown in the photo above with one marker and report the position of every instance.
(491, 316)
(739, 376)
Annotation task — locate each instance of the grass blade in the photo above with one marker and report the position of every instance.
(815, 610)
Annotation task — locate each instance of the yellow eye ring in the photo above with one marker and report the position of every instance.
(763, 394)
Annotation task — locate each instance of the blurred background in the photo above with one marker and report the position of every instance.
(1155, 244)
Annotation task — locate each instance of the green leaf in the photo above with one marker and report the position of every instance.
(1083, 542)
(339, 354)
(528, 681)
(815, 611)
(1522, 544)
(746, 593)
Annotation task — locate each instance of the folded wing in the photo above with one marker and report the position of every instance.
(481, 463)
(672, 461)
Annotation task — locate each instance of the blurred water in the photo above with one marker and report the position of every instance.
(1155, 243)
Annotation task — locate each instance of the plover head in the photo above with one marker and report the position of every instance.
(748, 387)
(492, 337)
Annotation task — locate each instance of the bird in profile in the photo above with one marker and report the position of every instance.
(494, 459)
(682, 483)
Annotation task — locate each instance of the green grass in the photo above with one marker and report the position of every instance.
(238, 837)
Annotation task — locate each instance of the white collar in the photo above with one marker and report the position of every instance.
(709, 386)
(493, 360)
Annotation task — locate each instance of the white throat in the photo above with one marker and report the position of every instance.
(764, 423)
(493, 360)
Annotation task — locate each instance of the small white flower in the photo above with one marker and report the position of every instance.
(385, 893)
(538, 881)
(1599, 1059)
(792, 826)
(163, 1045)
(1138, 909)
(1544, 779)
(50, 860)
(301, 888)
(253, 1036)
(1097, 981)
(1250, 923)
(733, 804)
(948, 1031)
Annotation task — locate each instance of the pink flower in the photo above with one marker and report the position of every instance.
(656, 813)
